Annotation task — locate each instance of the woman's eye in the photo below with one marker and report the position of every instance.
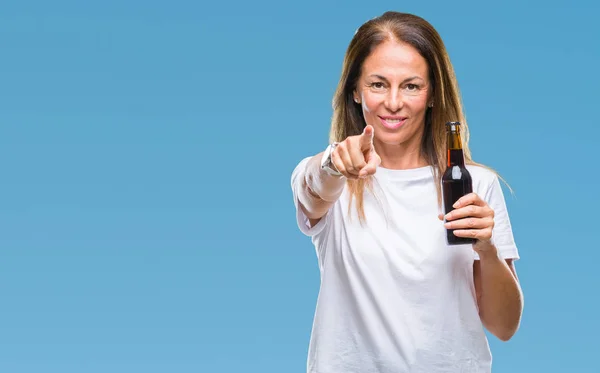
(377, 85)
(412, 87)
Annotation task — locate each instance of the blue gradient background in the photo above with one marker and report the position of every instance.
(146, 148)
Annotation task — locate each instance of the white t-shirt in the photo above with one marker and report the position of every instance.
(394, 297)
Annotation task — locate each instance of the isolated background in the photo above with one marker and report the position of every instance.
(146, 149)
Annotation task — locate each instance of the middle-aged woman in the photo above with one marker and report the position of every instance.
(394, 296)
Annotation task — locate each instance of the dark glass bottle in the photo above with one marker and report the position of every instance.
(456, 181)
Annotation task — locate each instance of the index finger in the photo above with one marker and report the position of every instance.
(469, 199)
(366, 138)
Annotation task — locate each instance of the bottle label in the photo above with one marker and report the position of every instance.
(456, 173)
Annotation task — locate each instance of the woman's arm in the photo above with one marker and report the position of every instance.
(499, 294)
(318, 190)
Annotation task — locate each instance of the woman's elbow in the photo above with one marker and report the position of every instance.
(504, 333)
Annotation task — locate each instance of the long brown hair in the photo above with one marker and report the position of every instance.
(347, 117)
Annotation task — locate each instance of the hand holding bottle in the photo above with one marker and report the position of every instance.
(472, 217)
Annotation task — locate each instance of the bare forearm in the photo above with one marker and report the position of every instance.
(319, 189)
(501, 303)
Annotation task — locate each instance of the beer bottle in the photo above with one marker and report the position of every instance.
(456, 181)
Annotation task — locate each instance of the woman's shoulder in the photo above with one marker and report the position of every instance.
(482, 172)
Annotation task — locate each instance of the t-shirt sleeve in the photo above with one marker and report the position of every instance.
(502, 235)
(301, 218)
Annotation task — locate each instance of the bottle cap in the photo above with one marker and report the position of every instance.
(453, 126)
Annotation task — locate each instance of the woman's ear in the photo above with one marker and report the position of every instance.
(430, 101)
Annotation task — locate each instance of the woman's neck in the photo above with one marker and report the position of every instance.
(401, 157)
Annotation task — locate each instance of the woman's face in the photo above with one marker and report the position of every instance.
(394, 91)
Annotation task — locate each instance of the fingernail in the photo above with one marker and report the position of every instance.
(447, 225)
(456, 204)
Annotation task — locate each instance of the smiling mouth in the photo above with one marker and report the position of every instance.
(392, 123)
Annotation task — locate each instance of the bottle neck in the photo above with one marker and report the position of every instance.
(456, 156)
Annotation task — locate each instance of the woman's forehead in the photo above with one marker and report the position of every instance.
(395, 59)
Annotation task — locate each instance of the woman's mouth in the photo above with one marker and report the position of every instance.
(392, 122)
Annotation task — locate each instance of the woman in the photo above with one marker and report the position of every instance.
(394, 296)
